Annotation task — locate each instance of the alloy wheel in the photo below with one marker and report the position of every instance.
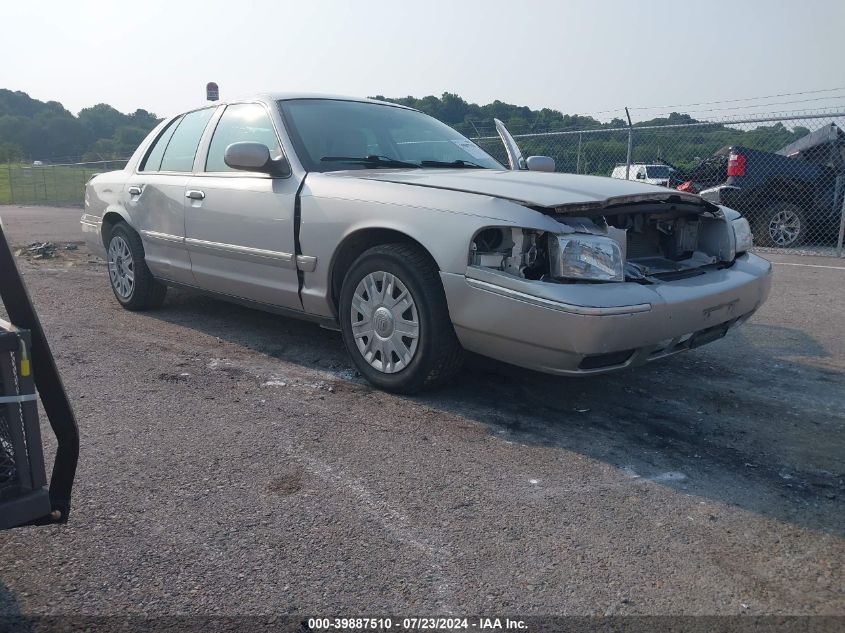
(121, 267)
(784, 227)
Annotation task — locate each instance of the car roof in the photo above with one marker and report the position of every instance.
(272, 97)
(287, 96)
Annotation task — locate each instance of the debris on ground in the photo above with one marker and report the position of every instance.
(39, 250)
(45, 250)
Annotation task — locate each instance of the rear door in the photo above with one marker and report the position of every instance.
(156, 195)
(239, 226)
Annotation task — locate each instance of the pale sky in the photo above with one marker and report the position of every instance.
(578, 57)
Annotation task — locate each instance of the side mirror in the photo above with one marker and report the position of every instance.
(640, 175)
(254, 157)
(540, 163)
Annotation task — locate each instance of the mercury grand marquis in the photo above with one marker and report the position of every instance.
(381, 221)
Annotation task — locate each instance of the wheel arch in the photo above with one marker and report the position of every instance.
(110, 218)
(358, 241)
(777, 191)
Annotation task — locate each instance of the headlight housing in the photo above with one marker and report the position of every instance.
(742, 235)
(588, 257)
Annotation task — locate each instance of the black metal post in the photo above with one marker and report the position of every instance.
(22, 314)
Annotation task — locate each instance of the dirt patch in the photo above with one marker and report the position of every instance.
(287, 484)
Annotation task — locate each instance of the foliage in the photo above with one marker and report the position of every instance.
(46, 131)
(10, 152)
(597, 152)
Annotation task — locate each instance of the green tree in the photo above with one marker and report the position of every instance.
(9, 152)
(47, 131)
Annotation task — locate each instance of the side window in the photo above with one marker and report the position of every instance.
(180, 152)
(241, 122)
(153, 160)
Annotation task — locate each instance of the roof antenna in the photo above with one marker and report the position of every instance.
(212, 92)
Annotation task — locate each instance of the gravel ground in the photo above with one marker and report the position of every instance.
(233, 463)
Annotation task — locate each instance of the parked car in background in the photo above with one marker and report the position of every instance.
(387, 224)
(706, 173)
(789, 197)
(651, 173)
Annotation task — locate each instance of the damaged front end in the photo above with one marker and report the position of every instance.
(646, 239)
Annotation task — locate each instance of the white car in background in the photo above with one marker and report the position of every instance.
(652, 174)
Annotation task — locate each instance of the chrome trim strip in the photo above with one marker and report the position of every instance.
(163, 237)
(306, 263)
(246, 253)
(27, 397)
(557, 305)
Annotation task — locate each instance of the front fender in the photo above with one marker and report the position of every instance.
(442, 222)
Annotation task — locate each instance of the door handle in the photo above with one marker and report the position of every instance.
(134, 191)
(195, 194)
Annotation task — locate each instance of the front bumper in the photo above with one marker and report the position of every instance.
(593, 328)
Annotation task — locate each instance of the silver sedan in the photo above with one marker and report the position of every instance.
(412, 240)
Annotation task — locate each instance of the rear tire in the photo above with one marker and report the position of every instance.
(783, 225)
(395, 321)
(132, 283)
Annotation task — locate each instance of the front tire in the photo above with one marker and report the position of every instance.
(395, 321)
(132, 283)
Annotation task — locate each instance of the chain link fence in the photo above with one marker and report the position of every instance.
(786, 174)
(50, 184)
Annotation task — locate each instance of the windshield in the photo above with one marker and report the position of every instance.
(658, 171)
(327, 132)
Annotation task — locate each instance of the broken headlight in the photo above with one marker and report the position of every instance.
(742, 233)
(588, 257)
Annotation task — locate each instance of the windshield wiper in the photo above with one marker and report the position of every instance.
(455, 163)
(370, 161)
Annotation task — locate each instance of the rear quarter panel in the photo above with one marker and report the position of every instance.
(103, 195)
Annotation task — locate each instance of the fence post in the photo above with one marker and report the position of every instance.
(630, 145)
(11, 186)
(578, 156)
(841, 229)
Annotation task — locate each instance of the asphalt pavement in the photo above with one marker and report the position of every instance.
(233, 462)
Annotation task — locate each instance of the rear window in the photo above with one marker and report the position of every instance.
(153, 160)
(658, 171)
(182, 148)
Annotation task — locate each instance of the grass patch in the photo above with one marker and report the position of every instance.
(49, 185)
(5, 190)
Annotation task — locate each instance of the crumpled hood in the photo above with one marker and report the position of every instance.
(536, 189)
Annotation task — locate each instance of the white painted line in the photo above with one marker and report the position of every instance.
(808, 265)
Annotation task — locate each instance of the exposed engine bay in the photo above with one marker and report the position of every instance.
(649, 243)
